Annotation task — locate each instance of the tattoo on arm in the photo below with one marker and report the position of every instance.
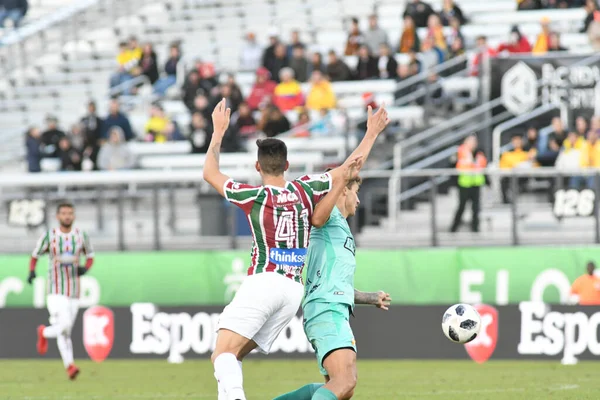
(365, 297)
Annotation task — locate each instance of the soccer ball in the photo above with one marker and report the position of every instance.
(461, 323)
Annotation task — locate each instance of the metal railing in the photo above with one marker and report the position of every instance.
(530, 217)
(178, 210)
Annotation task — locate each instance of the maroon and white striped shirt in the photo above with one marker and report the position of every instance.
(279, 219)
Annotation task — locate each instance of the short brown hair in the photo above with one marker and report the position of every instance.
(351, 182)
(64, 204)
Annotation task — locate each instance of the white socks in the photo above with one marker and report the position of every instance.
(228, 371)
(65, 347)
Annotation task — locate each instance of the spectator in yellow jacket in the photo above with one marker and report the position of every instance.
(590, 158)
(543, 40)
(590, 152)
(157, 125)
(517, 157)
(321, 95)
(288, 93)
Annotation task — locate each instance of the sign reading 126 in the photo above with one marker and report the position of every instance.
(574, 203)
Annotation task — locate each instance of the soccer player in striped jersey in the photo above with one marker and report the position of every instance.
(279, 213)
(65, 246)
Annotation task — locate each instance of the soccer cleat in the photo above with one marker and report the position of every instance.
(72, 371)
(42, 342)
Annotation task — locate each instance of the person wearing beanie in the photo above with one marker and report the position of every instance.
(516, 44)
(262, 91)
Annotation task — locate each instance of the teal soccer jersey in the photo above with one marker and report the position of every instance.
(331, 263)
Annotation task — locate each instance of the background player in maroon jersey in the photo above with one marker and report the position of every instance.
(65, 246)
(279, 214)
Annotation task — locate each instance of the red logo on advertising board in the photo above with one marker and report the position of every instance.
(98, 332)
(482, 348)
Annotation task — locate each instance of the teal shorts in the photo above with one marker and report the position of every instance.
(327, 328)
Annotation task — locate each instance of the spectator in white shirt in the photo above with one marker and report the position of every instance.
(375, 36)
(252, 52)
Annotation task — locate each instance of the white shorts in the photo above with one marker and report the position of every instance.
(63, 310)
(264, 304)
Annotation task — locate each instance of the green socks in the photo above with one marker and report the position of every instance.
(304, 393)
(324, 394)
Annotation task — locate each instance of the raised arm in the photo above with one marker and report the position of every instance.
(348, 171)
(376, 123)
(378, 299)
(211, 173)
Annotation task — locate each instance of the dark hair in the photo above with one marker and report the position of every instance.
(355, 20)
(481, 37)
(64, 204)
(298, 46)
(272, 156)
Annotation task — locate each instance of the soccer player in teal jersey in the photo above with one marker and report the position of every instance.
(330, 297)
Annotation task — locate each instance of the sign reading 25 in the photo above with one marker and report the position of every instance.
(26, 212)
(574, 203)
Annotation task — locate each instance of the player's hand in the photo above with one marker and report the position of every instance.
(31, 277)
(383, 300)
(351, 167)
(81, 271)
(220, 118)
(377, 122)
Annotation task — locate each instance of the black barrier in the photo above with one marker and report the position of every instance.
(564, 78)
(526, 331)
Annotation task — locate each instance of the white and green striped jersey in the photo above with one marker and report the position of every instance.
(64, 253)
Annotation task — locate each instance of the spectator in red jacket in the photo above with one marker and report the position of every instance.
(262, 91)
(517, 43)
(483, 51)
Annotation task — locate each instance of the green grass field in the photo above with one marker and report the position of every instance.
(45, 380)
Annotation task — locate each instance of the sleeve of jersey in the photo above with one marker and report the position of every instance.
(42, 245)
(87, 246)
(240, 194)
(320, 185)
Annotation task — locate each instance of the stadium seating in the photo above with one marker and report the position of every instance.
(85, 65)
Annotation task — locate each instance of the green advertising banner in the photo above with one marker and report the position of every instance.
(429, 276)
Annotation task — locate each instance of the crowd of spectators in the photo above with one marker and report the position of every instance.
(13, 11)
(135, 61)
(565, 149)
(93, 143)
(281, 69)
(541, 4)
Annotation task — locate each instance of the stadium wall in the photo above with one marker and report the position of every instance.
(498, 276)
(529, 330)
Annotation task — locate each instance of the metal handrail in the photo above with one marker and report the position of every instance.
(420, 77)
(501, 128)
(434, 131)
(121, 87)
